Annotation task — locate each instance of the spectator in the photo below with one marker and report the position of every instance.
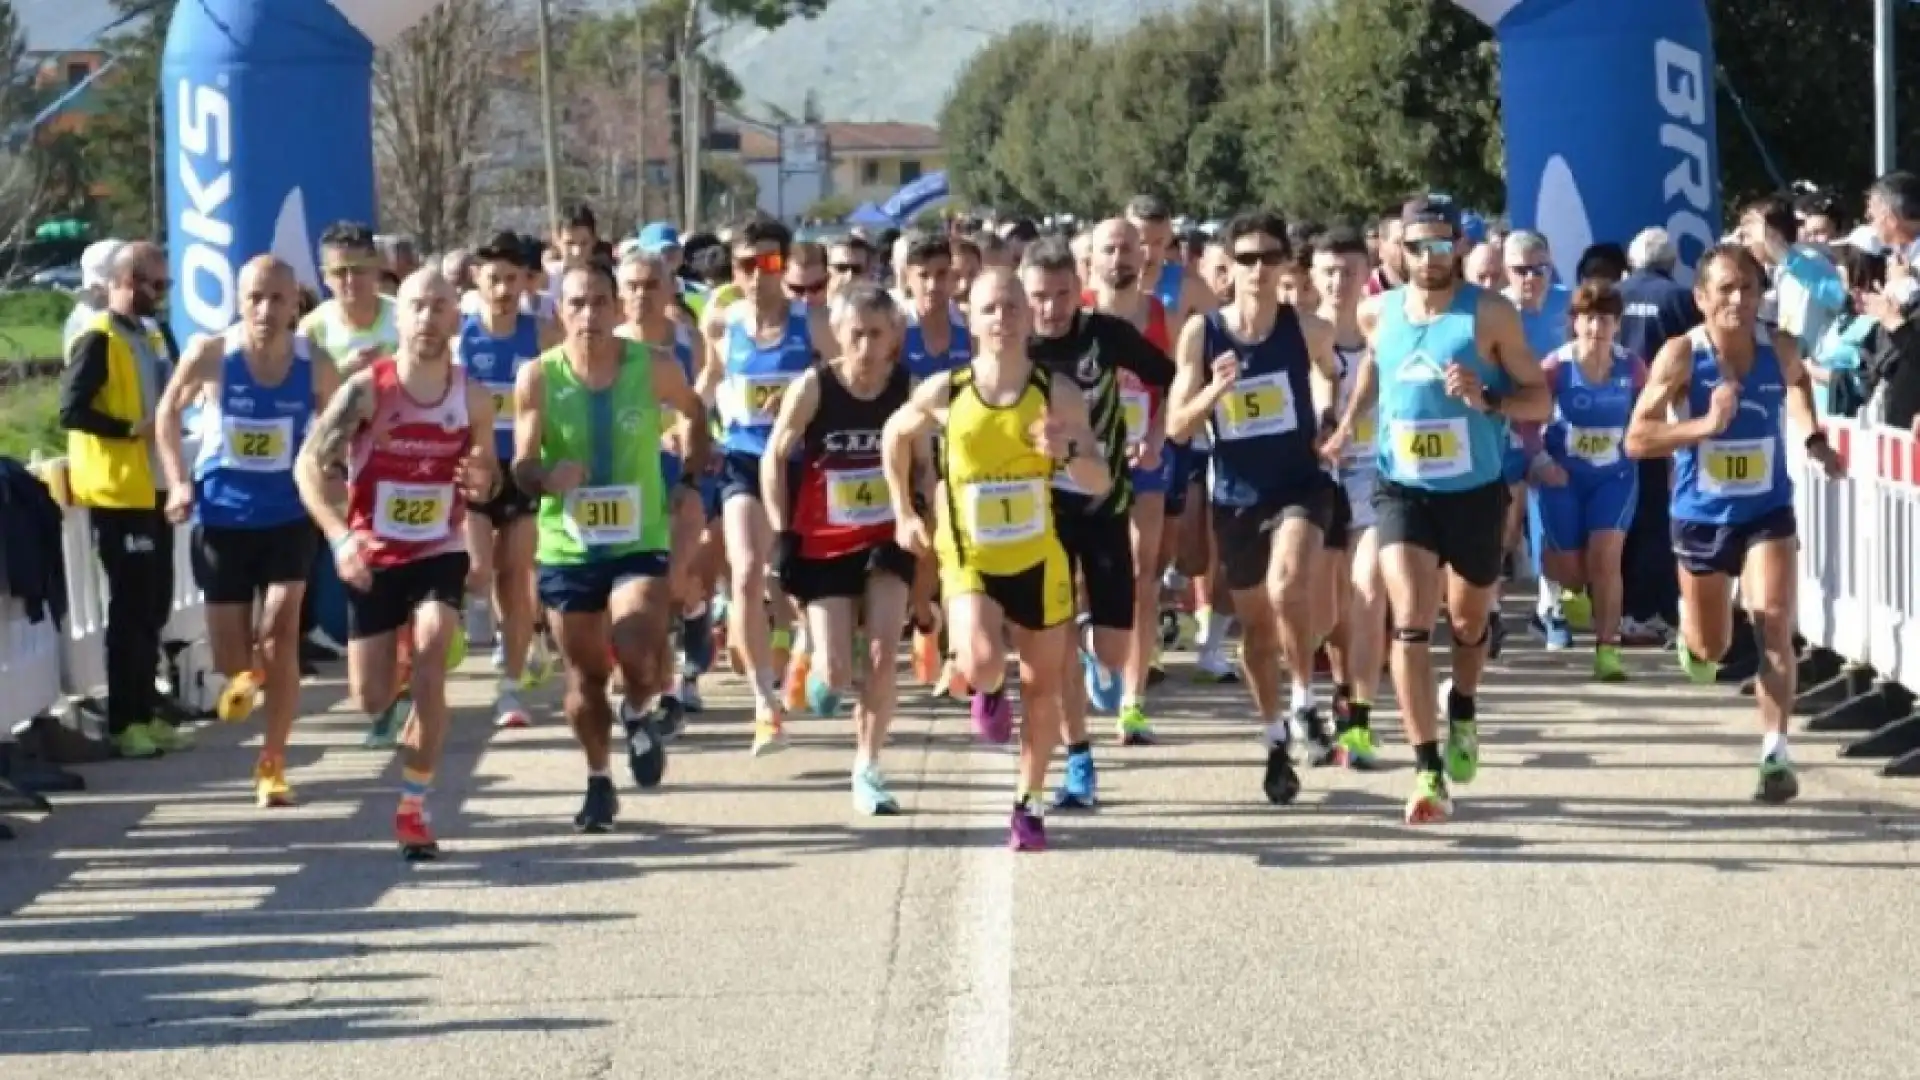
(457, 267)
(96, 266)
(108, 395)
(1657, 307)
(1821, 218)
(1804, 292)
(1838, 361)
(1605, 261)
(1893, 212)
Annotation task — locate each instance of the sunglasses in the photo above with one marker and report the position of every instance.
(806, 288)
(346, 269)
(1263, 257)
(847, 268)
(766, 262)
(1437, 247)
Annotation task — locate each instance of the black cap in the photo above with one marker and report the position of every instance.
(504, 247)
(1432, 208)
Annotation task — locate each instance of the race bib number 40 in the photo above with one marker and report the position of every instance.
(606, 515)
(412, 513)
(1258, 406)
(1005, 512)
(858, 497)
(1431, 449)
(1736, 466)
(1599, 447)
(260, 445)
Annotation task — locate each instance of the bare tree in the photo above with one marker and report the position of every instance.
(436, 104)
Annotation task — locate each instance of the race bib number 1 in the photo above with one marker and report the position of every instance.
(1006, 512)
(858, 497)
(1431, 449)
(1736, 466)
(260, 445)
(412, 513)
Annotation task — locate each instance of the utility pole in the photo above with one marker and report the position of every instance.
(1266, 30)
(1884, 145)
(547, 121)
(692, 111)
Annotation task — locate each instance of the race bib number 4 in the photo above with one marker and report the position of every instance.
(412, 513)
(1598, 447)
(606, 515)
(858, 497)
(260, 445)
(1431, 449)
(1005, 512)
(1259, 406)
(1736, 466)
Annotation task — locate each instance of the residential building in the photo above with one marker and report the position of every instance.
(872, 161)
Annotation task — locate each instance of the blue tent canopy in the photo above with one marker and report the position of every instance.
(912, 200)
(871, 216)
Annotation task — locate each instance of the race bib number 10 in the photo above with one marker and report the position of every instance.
(412, 513)
(1736, 467)
(858, 497)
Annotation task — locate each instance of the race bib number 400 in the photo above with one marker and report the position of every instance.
(412, 513)
(1005, 512)
(1736, 466)
(605, 515)
(1431, 449)
(858, 497)
(1599, 447)
(260, 445)
(1258, 406)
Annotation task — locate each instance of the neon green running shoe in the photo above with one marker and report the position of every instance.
(1606, 664)
(1355, 748)
(1429, 804)
(1133, 726)
(1577, 607)
(1463, 751)
(1698, 671)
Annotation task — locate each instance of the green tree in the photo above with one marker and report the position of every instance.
(122, 141)
(975, 112)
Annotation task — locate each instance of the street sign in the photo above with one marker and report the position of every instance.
(803, 148)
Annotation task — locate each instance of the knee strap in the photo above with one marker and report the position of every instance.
(1412, 635)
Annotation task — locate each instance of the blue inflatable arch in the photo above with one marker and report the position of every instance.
(1608, 107)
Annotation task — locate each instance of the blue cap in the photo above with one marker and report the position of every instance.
(657, 237)
(1473, 227)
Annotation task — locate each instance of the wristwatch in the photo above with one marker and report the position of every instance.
(1492, 398)
(1073, 450)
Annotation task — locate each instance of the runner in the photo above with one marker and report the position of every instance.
(835, 551)
(494, 344)
(756, 347)
(357, 324)
(252, 540)
(1254, 372)
(1357, 642)
(1451, 369)
(1585, 487)
(1007, 426)
(1116, 257)
(417, 434)
(1715, 402)
(1544, 319)
(1094, 350)
(586, 417)
(647, 297)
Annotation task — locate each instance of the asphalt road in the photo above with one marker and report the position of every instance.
(1607, 904)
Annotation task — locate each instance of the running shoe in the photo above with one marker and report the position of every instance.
(769, 734)
(1132, 726)
(690, 699)
(1213, 667)
(1577, 607)
(457, 648)
(135, 742)
(870, 795)
(1606, 664)
(1463, 740)
(1310, 731)
(646, 750)
(1559, 635)
(384, 734)
(1103, 686)
(799, 668)
(1429, 804)
(600, 807)
(926, 656)
(1081, 786)
(1354, 748)
(823, 699)
(1700, 672)
(508, 712)
(238, 698)
(1281, 783)
(1496, 636)
(993, 717)
(413, 831)
(670, 717)
(170, 738)
(1778, 784)
(539, 666)
(1026, 830)
(497, 660)
(270, 787)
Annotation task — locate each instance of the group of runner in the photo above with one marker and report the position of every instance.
(1017, 453)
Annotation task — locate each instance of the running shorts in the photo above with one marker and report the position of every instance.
(739, 475)
(1036, 598)
(507, 506)
(1466, 529)
(396, 592)
(1189, 469)
(1704, 548)
(1570, 514)
(1100, 551)
(1243, 535)
(233, 566)
(1157, 480)
(584, 588)
(845, 577)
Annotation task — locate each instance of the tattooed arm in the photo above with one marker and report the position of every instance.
(326, 448)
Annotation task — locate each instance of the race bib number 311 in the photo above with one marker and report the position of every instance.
(606, 515)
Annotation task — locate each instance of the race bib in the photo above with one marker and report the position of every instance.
(605, 515)
(1258, 406)
(1598, 447)
(1135, 407)
(1365, 433)
(760, 396)
(1736, 467)
(260, 445)
(502, 406)
(1005, 512)
(412, 513)
(1431, 449)
(858, 497)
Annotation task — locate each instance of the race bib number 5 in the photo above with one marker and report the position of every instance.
(1005, 512)
(1736, 466)
(1431, 449)
(1256, 407)
(412, 513)
(606, 515)
(858, 497)
(260, 445)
